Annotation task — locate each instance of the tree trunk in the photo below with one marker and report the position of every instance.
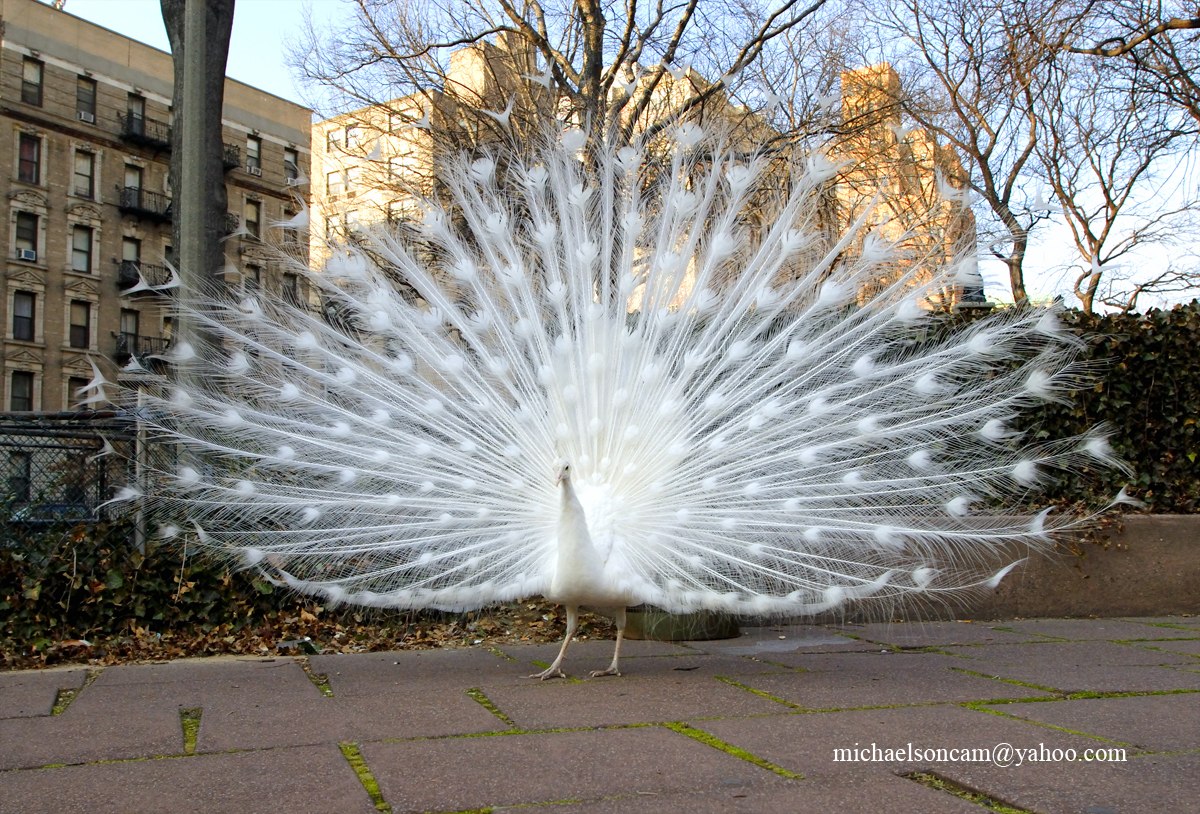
(219, 26)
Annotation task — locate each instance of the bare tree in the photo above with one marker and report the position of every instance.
(1109, 150)
(972, 79)
(613, 69)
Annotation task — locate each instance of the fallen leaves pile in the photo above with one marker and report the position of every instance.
(316, 630)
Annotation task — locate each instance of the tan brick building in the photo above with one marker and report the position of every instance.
(85, 117)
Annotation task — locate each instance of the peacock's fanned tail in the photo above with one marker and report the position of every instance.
(747, 428)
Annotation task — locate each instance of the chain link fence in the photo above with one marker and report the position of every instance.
(62, 467)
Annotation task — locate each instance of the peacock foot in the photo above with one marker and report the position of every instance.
(611, 671)
(549, 672)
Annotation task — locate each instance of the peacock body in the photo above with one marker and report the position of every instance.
(741, 415)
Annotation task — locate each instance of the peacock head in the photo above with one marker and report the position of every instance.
(564, 472)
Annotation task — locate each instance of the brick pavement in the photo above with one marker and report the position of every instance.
(742, 725)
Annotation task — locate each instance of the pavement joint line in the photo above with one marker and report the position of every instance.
(1168, 625)
(189, 721)
(1044, 725)
(498, 653)
(480, 697)
(936, 782)
(65, 696)
(708, 739)
(760, 693)
(319, 680)
(358, 764)
(1016, 682)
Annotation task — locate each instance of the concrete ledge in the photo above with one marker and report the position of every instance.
(1151, 567)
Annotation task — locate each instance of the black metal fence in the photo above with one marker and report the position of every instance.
(60, 467)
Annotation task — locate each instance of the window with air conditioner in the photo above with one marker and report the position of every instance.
(291, 163)
(85, 174)
(20, 393)
(85, 99)
(29, 165)
(32, 71)
(81, 324)
(81, 249)
(254, 155)
(26, 237)
(24, 310)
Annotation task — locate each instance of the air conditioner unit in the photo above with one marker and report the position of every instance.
(85, 116)
(254, 170)
(27, 254)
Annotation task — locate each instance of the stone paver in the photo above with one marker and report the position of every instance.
(848, 680)
(1159, 784)
(688, 728)
(1091, 629)
(806, 743)
(1086, 666)
(31, 692)
(304, 780)
(879, 793)
(472, 773)
(1155, 723)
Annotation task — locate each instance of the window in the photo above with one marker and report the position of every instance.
(168, 331)
(81, 249)
(76, 391)
(133, 176)
(85, 99)
(291, 164)
(135, 120)
(24, 307)
(253, 217)
(131, 249)
(27, 236)
(291, 288)
(252, 278)
(21, 393)
(81, 324)
(353, 135)
(20, 475)
(129, 328)
(332, 139)
(335, 182)
(31, 81)
(253, 153)
(29, 168)
(85, 174)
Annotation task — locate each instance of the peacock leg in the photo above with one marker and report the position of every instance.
(612, 670)
(553, 670)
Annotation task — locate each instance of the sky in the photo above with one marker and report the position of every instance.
(262, 30)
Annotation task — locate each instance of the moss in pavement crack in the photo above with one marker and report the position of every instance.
(189, 718)
(937, 783)
(729, 749)
(65, 696)
(358, 763)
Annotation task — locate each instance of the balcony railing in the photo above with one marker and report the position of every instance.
(130, 346)
(138, 129)
(231, 157)
(232, 222)
(144, 203)
(131, 272)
